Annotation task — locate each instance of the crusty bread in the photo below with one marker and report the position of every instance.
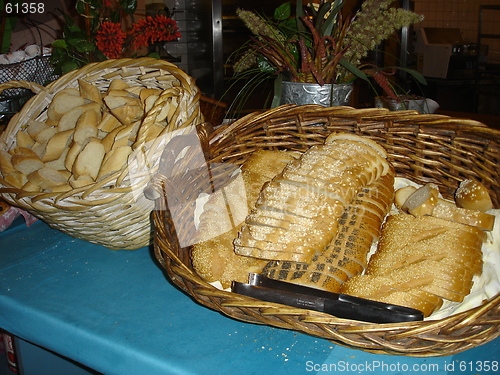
(6, 163)
(314, 191)
(23, 139)
(89, 92)
(70, 118)
(474, 218)
(57, 145)
(26, 164)
(421, 254)
(108, 122)
(346, 255)
(114, 161)
(473, 195)
(64, 101)
(86, 126)
(213, 255)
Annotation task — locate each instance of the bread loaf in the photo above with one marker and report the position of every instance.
(346, 255)
(421, 254)
(213, 255)
(297, 212)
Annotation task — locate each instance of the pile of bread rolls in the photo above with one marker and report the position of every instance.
(86, 137)
(315, 219)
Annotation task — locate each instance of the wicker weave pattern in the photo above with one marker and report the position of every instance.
(424, 148)
(112, 212)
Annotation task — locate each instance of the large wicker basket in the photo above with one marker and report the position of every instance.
(113, 212)
(423, 148)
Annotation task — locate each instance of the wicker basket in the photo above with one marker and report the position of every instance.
(423, 148)
(113, 212)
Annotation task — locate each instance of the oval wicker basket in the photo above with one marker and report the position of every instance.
(423, 148)
(112, 212)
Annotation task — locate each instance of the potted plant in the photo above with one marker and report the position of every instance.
(318, 46)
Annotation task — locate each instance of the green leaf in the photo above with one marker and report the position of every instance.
(417, 75)
(60, 43)
(69, 66)
(353, 69)
(283, 12)
(84, 46)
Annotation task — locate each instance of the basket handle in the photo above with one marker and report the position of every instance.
(34, 87)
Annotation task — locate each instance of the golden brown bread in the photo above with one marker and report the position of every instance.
(311, 194)
(418, 254)
(473, 195)
(346, 255)
(213, 257)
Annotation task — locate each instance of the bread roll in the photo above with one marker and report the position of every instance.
(422, 201)
(473, 195)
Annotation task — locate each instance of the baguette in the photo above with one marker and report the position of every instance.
(64, 101)
(213, 255)
(86, 126)
(57, 145)
(421, 256)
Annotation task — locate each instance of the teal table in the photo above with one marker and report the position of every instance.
(115, 312)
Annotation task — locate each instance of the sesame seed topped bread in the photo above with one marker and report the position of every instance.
(312, 193)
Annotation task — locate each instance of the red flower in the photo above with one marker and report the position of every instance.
(150, 30)
(110, 38)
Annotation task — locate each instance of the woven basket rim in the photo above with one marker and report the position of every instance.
(441, 334)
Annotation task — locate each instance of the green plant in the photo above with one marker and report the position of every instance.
(102, 33)
(317, 43)
(7, 23)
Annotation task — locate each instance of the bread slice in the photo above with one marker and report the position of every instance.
(90, 92)
(57, 145)
(465, 216)
(89, 160)
(64, 101)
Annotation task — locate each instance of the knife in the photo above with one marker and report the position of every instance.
(336, 304)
